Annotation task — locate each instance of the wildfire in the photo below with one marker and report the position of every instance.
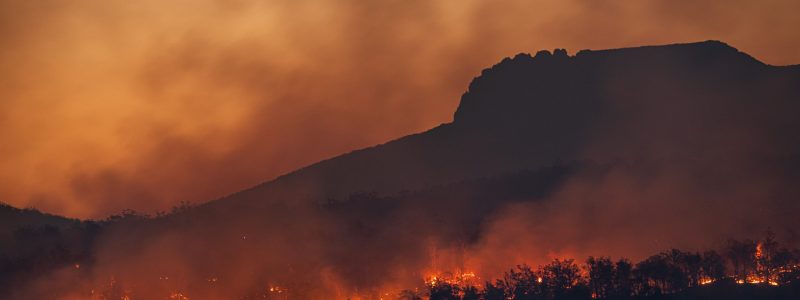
(755, 279)
(465, 278)
(276, 289)
(178, 296)
(764, 273)
(432, 281)
(760, 272)
(468, 276)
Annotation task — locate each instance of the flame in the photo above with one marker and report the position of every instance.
(178, 296)
(761, 275)
(754, 279)
(759, 250)
(464, 278)
(432, 281)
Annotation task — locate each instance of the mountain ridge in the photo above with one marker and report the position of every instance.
(482, 119)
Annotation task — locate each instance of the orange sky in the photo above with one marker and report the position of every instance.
(107, 105)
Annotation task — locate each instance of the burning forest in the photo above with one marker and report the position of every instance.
(653, 172)
(738, 269)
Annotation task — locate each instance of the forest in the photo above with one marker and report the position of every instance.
(743, 269)
(762, 268)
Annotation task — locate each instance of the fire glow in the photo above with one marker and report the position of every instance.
(559, 276)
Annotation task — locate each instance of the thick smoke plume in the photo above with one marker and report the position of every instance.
(672, 146)
(110, 105)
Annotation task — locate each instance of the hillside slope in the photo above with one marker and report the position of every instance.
(529, 112)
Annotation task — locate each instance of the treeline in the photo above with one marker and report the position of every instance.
(743, 269)
(34, 244)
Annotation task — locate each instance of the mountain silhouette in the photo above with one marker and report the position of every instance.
(12, 218)
(530, 112)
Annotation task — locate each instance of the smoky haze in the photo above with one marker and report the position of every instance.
(619, 153)
(110, 105)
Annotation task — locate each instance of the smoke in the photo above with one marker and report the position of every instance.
(116, 105)
(690, 161)
(111, 105)
(625, 213)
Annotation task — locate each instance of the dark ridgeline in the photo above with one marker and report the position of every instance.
(525, 128)
(530, 112)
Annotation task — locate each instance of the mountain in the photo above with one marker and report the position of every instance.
(529, 112)
(619, 152)
(12, 218)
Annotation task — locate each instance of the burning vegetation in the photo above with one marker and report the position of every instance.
(667, 273)
(763, 266)
(119, 258)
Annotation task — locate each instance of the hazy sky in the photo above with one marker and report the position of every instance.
(107, 105)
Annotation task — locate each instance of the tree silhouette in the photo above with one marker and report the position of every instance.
(444, 291)
(601, 276)
(765, 257)
(495, 291)
(408, 295)
(524, 283)
(658, 275)
(622, 279)
(563, 280)
(713, 265)
(470, 293)
(741, 255)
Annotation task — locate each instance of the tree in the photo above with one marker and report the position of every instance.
(601, 276)
(789, 260)
(444, 291)
(765, 253)
(661, 273)
(713, 265)
(409, 295)
(495, 291)
(470, 293)
(559, 276)
(524, 283)
(622, 279)
(692, 265)
(741, 255)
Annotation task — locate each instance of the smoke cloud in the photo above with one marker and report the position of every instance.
(110, 105)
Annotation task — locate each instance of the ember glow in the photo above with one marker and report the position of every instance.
(771, 267)
(457, 278)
